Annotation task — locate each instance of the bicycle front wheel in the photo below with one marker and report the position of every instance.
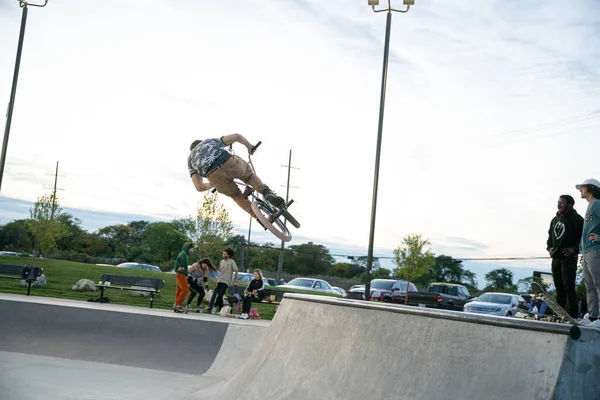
(263, 212)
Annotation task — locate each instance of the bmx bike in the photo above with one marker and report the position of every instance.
(268, 215)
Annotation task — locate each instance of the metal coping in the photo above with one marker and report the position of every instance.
(514, 323)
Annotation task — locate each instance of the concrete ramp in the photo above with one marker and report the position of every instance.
(327, 348)
(61, 349)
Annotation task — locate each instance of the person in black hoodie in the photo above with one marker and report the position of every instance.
(564, 236)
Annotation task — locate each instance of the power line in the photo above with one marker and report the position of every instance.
(565, 121)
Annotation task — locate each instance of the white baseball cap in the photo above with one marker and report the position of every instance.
(589, 182)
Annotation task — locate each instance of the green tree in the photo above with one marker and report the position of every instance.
(450, 270)
(349, 270)
(119, 240)
(265, 257)
(412, 258)
(44, 224)
(362, 262)
(15, 236)
(381, 273)
(308, 259)
(71, 242)
(213, 228)
(162, 242)
(500, 280)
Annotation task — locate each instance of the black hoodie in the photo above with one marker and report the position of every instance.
(565, 231)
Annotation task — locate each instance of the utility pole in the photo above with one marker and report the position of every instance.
(287, 198)
(248, 257)
(54, 191)
(13, 91)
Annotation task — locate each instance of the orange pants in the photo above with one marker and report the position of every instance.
(182, 289)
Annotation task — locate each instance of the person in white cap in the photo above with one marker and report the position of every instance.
(590, 248)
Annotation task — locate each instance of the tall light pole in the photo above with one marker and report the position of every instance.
(386, 52)
(13, 91)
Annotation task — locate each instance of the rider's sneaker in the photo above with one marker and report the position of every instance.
(187, 308)
(272, 198)
(199, 309)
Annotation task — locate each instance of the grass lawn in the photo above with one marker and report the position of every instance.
(62, 275)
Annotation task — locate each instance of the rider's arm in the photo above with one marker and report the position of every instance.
(236, 137)
(199, 184)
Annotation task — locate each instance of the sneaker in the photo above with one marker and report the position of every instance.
(199, 309)
(213, 311)
(187, 308)
(595, 324)
(242, 316)
(273, 198)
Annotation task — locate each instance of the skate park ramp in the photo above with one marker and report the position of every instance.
(327, 348)
(316, 347)
(61, 349)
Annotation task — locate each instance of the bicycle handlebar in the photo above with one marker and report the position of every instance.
(255, 147)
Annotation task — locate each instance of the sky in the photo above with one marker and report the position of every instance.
(491, 113)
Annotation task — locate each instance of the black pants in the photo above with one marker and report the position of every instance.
(564, 271)
(217, 297)
(195, 288)
(247, 303)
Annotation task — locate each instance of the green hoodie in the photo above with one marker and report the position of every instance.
(182, 259)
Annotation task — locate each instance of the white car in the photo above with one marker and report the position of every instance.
(502, 304)
(316, 285)
(133, 265)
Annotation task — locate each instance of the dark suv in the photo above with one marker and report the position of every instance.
(399, 291)
(381, 290)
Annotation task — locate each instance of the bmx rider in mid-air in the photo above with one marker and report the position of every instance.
(209, 159)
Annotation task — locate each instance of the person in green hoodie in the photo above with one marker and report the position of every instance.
(181, 273)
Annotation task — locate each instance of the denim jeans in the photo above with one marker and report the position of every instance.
(591, 275)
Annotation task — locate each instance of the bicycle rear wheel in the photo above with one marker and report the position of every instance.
(264, 213)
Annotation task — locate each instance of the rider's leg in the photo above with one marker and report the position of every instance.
(222, 181)
(249, 177)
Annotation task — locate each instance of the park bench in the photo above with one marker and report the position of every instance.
(27, 272)
(135, 283)
(267, 295)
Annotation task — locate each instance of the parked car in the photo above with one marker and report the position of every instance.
(316, 285)
(9, 253)
(244, 277)
(503, 304)
(271, 282)
(381, 290)
(340, 290)
(448, 296)
(399, 291)
(133, 265)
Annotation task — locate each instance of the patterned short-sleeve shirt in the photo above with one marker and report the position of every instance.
(203, 156)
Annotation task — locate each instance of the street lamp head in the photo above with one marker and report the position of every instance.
(409, 2)
(373, 2)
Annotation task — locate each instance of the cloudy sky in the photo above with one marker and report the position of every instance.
(492, 111)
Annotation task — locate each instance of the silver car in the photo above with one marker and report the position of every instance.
(502, 304)
(133, 265)
(316, 285)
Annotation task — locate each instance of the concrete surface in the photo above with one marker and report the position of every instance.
(316, 347)
(329, 348)
(62, 349)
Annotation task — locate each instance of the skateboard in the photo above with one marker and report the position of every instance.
(563, 315)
